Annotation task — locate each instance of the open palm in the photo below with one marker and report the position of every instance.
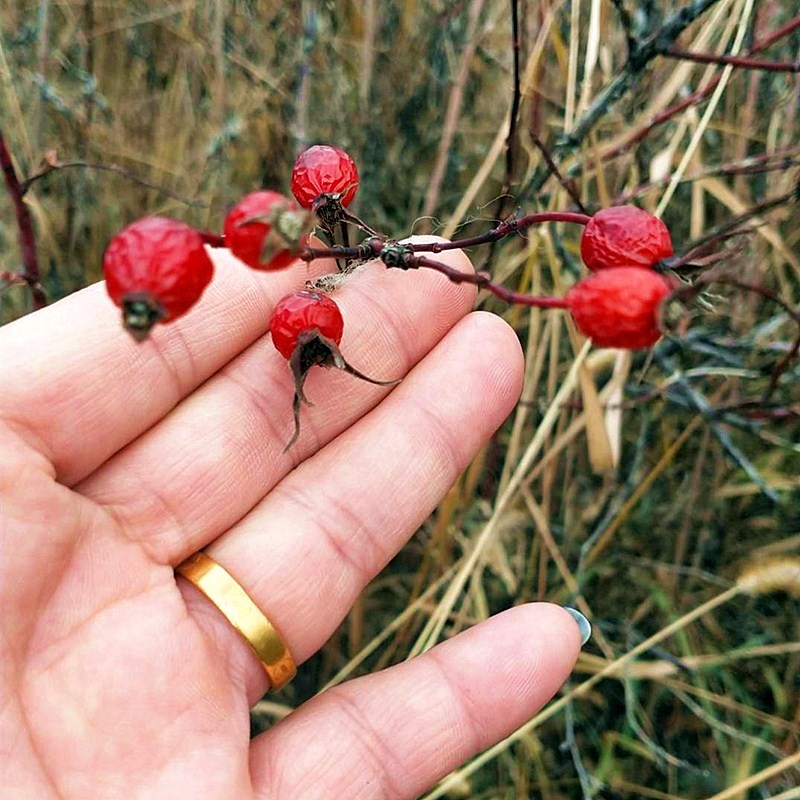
(120, 460)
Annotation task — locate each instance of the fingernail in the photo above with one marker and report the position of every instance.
(583, 624)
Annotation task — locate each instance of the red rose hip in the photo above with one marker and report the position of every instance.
(624, 236)
(619, 307)
(155, 270)
(303, 313)
(266, 230)
(306, 329)
(322, 170)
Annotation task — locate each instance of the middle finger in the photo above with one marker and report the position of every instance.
(220, 451)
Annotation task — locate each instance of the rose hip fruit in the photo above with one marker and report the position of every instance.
(619, 307)
(300, 313)
(155, 270)
(266, 230)
(624, 236)
(324, 170)
(306, 329)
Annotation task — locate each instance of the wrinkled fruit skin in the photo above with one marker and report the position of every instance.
(624, 236)
(302, 312)
(159, 261)
(619, 307)
(323, 169)
(246, 241)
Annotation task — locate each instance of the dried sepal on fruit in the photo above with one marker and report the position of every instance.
(156, 269)
(306, 330)
(619, 307)
(625, 236)
(267, 231)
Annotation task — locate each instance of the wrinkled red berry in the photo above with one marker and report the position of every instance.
(304, 312)
(323, 169)
(619, 307)
(266, 230)
(624, 236)
(155, 270)
(306, 329)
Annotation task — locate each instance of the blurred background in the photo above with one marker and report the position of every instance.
(635, 487)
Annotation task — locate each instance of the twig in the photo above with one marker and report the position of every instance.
(30, 273)
(566, 184)
(484, 281)
(375, 246)
(754, 165)
(51, 164)
(732, 61)
(503, 229)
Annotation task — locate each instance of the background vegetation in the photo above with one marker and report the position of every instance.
(638, 504)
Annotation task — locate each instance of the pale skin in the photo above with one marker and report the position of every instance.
(119, 460)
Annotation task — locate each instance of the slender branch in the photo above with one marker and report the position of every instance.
(732, 61)
(777, 34)
(503, 229)
(51, 164)
(484, 281)
(374, 246)
(404, 256)
(27, 239)
(566, 184)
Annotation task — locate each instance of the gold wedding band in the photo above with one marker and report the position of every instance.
(245, 616)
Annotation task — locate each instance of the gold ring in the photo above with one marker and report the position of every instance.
(245, 616)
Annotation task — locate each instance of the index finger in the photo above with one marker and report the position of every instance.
(72, 363)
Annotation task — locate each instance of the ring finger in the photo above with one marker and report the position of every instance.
(306, 551)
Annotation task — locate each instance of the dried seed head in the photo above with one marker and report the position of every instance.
(777, 574)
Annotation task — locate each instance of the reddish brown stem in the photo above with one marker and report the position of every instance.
(214, 239)
(51, 164)
(30, 273)
(484, 281)
(733, 61)
(372, 247)
(503, 229)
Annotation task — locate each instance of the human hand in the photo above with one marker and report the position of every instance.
(121, 460)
